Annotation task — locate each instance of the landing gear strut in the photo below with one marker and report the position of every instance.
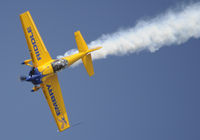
(35, 88)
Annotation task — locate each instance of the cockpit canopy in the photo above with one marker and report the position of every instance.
(59, 64)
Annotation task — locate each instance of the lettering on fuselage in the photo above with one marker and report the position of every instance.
(33, 41)
(53, 99)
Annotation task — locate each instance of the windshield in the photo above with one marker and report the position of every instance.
(59, 64)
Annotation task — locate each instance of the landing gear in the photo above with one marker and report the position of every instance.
(35, 88)
(26, 62)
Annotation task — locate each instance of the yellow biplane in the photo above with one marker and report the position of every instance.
(44, 69)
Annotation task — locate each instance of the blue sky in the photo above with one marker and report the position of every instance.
(143, 96)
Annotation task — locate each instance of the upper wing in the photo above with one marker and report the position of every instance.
(37, 49)
(52, 92)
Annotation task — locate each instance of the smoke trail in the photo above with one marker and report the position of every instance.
(173, 27)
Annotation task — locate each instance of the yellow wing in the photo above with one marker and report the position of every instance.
(37, 49)
(53, 94)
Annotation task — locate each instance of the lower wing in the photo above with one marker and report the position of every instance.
(53, 94)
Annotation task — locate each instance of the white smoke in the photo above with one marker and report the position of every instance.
(173, 27)
(68, 53)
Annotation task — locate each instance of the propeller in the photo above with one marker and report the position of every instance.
(22, 78)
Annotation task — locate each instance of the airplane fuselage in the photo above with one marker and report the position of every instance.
(37, 75)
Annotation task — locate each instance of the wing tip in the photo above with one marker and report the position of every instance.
(77, 33)
(61, 130)
(27, 12)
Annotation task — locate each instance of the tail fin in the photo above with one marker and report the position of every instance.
(82, 47)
